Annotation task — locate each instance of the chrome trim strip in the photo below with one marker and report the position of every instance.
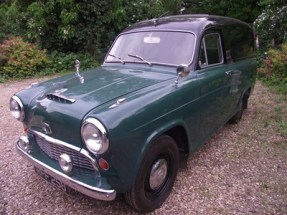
(56, 141)
(75, 148)
(103, 132)
(155, 30)
(22, 113)
(18, 101)
(119, 102)
(94, 192)
(61, 97)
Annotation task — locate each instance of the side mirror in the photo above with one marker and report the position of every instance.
(182, 71)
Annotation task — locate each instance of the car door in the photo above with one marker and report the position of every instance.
(214, 84)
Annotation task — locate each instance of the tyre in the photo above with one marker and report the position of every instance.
(156, 176)
(243, 105)
(237, 117)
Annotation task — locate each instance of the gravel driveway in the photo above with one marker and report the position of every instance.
(241, 170)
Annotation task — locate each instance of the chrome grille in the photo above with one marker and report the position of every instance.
(54, 151)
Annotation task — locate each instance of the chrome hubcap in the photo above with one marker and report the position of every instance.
(158, 173)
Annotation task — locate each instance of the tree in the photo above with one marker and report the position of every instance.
(172, 7)
(271, 24)
(245, 10)
(11, 20)
(84, 25)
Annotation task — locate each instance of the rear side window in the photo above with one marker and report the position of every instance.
(238, 43)
(210, 50)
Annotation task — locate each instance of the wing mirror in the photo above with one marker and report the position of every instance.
(182, 71)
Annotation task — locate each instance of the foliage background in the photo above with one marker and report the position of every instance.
(68, 29)
(90, 26)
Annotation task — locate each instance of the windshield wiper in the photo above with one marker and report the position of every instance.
(139, 57)
(117, 58)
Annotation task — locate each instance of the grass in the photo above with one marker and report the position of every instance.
(280, 117)
(275, 83)
(282, 127)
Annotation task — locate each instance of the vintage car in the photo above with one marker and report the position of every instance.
(165, 87)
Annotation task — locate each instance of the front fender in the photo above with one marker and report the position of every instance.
(126, 159)
(164, 129)
(142, 118)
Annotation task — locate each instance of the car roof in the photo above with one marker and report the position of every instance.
(196, 23)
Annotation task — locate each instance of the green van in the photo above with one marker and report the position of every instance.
(165, 87)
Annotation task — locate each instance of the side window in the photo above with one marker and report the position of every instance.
(238, 43)
(210, 50)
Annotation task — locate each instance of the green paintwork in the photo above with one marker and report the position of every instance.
(201, 103)
(100, 86)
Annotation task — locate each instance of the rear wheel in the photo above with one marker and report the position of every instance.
(243, 105)
(156, 175)
(237, 117)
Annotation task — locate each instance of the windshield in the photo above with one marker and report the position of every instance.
(157, 47)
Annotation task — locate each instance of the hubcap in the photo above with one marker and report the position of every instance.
(158, 173)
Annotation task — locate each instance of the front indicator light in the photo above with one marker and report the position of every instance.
(104, 164)
(25, 128)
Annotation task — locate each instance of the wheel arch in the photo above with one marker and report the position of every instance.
(179, 135)
(177, 131)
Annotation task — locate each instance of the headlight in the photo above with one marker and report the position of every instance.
(95, 136)
(17, 108)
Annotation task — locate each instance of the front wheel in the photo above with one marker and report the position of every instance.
(156, 176)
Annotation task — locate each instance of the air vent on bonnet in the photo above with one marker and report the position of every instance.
(60, 98)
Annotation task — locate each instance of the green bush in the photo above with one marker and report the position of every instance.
(84, 25)
(75, 26)
(11, 21)
(19, 59)
(276, 62)
(65, 62)
(273, 70)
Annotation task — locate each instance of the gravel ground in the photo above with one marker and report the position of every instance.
(241, 170)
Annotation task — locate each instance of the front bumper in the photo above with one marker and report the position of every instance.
(94, 192)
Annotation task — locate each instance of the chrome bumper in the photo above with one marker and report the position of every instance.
(94, 192)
